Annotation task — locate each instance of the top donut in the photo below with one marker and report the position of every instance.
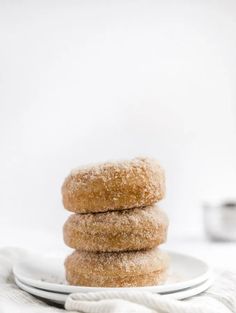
(114, 186)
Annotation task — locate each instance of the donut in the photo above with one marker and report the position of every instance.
(116, 269)
(114, 186)
(133, 229)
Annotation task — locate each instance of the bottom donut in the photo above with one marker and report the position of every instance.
(117, 269)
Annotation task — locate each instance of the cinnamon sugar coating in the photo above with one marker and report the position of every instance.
(116, 269)
(114, 186)
(133, 229)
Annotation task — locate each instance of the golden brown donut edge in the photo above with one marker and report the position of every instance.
(114, 186)
(133, 229)
(112, 269)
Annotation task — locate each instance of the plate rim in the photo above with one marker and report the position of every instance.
(39, 292)
(62, 288)
(61, 298)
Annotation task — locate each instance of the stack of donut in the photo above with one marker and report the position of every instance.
(116, 227)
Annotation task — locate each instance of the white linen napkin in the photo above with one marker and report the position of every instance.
(220, 298)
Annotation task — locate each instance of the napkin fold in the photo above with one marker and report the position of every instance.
(220, 298)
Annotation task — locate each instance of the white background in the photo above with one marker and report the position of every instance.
(90, 81)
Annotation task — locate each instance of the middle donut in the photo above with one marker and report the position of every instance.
(132, 229)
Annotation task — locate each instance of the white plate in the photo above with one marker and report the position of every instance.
(49, 274)
(61, 298)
